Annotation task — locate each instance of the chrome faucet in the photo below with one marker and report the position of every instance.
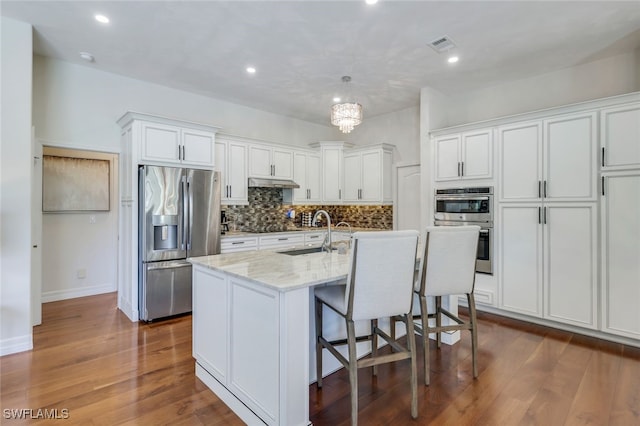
(326, 244)
(346, 224)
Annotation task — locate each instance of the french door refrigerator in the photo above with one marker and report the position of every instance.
(179, 217)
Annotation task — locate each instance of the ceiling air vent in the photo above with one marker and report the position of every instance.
(442, 44)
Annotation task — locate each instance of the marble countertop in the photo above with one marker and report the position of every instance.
(279, 271)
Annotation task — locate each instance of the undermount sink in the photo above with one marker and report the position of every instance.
(299, 252)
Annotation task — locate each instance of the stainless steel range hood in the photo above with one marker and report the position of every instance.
(272, 183)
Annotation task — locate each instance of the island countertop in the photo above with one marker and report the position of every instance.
(279, 271)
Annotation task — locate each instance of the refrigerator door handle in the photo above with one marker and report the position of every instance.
(185, 213)
(190, 207)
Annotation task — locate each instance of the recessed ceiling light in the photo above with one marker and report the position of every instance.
(87, 56)
(251, 70)
(336, 99)
(371, 1)
(453, 59)
(102, 19)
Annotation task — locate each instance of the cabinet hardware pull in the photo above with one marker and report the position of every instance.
(237, 242)
(229, 190)
(602, 183)
(545, 189)
(458, 169)
(462, 168)
(545, 215)
(602, 159)
(539, 215)
(339, 194)
(184, 150)
(539, 189)
(283, 239)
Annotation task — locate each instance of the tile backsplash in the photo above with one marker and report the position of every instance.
(265, 212)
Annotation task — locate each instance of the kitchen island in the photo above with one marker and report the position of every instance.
(252, 329)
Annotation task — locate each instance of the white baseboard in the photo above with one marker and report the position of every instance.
(16, 344)
(125, 306)
(72, 293)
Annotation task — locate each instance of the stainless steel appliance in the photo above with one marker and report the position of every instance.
(179, 217)
(469, 206)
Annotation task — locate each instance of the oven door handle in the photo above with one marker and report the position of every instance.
(484, 231)
(462, 198)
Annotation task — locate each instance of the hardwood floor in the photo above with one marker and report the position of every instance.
(92, 361)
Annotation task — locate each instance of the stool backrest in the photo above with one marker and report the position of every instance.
(448, 261)
(380, 280)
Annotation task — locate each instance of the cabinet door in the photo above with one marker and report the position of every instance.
(300, 195)
(221, 166)
(160, 143)
(237, 172)
(313, 178)
(520, 258)
(620, 136)
(198, 148)
(476, 155)
(621, 254)
(210, 322)
(520, 148)
(570, 263)
(352, 177)
(447, 158)
(260, 161)
(282, 163)
(332, 175)
(371, 187)
(570, 158)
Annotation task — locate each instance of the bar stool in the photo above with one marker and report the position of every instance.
(379, 284)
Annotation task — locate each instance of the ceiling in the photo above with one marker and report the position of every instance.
(301, 49)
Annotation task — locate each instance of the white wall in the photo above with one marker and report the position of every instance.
(399, 128)
(15, 189)
(81, 241)
(611, 76)
(77, 107)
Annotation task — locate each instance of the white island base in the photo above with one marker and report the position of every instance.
(252, 330)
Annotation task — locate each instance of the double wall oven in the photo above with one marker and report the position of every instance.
(469, 206)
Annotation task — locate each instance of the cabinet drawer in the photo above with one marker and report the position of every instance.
(281, 240)
(228, 245)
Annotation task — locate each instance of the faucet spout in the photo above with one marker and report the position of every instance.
(326, 244)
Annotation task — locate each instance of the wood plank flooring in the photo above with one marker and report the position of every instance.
(89, 359)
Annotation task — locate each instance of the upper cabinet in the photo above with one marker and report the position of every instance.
(231, 162)
(620, 137)
(367, 175)
(331, 154)
(553, 159)
(267, 161)
(164, 141)
(167, 144)
(307, 174)
(464, 156)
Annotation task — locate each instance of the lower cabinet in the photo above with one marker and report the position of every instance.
(548, 261)
(620, 236)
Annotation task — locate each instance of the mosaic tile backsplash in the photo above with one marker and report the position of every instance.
(266, 213)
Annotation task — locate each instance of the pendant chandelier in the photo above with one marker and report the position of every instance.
(346, 115)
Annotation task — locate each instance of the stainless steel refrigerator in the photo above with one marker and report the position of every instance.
(179, 217)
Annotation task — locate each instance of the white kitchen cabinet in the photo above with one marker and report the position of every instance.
(620, 137)
(307, 174)
(174, 145)
(267, 161)
(211, 326)
(332, 171)
(231, 162)
(554, 159)
(464, 156)
(620, 241)
(235, 244)
(367, 175)
(549, 250)
(281, 241)
(314, 239)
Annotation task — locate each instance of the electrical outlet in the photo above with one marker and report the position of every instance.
(81, 273)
